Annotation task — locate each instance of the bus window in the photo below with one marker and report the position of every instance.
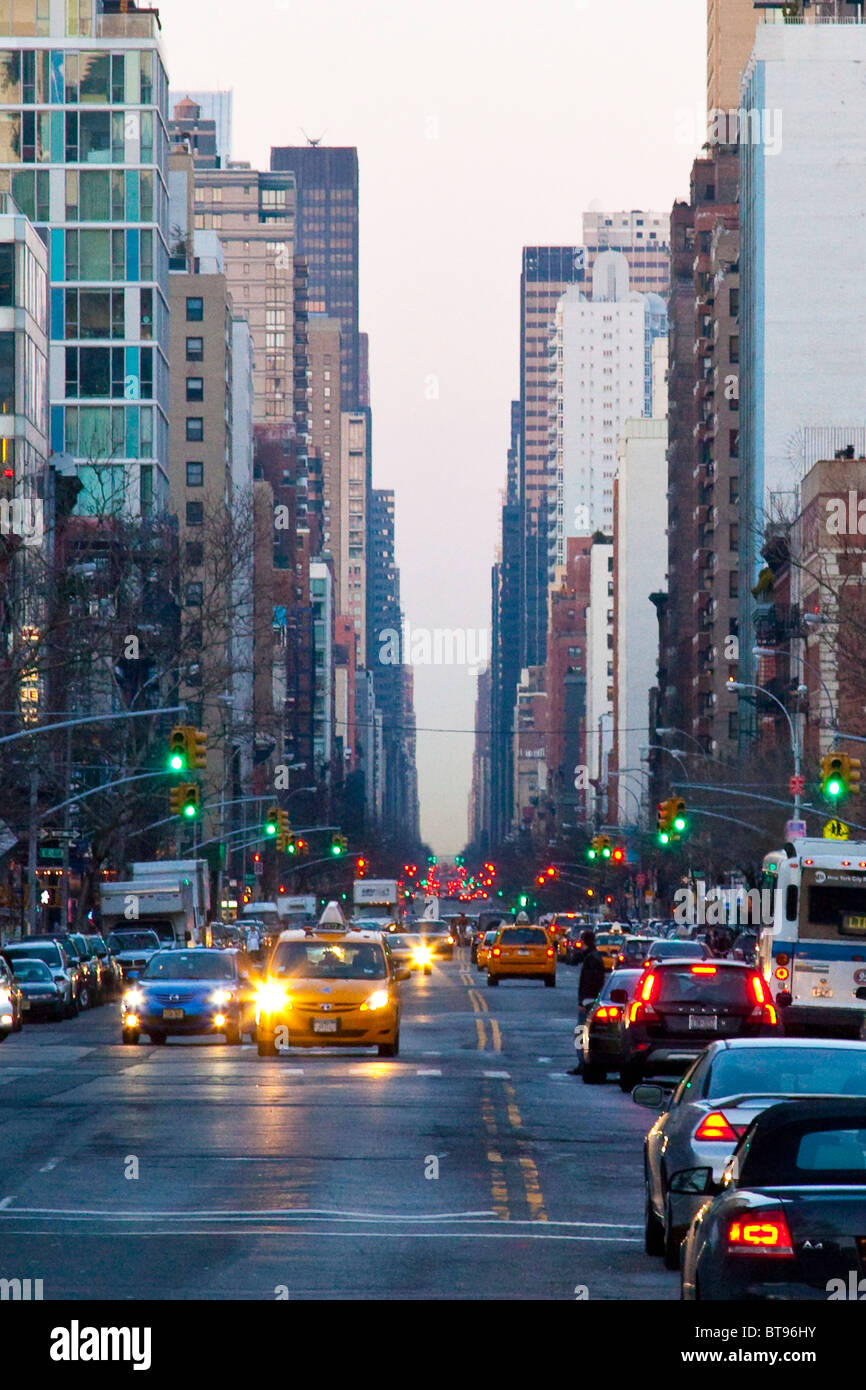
(833, 910)
(791, 902)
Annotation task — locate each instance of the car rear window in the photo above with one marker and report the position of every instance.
(669, 949)
(49, 953)
(789, 1071)
(722, 986)
(621, 979)
(817, 1151)
(524, 936)
(828, 1151)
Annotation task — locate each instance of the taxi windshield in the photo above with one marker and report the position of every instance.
(329, 960)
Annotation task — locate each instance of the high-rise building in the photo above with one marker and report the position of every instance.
(189, 126)
(83, 151)
(327, 236)
(602, 377)
(802, 297)
(214, 115)
(322, 382)
(643, 238)
(731, 26)
(355, 488)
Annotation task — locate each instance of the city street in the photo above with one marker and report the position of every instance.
(307, 1176)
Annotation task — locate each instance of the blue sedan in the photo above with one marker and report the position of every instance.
(188, 992)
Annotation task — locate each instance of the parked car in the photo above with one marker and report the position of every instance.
(79, 955)
(701, 1123)
(41, 994)
(92, 964)
(681, 1006)
(112, 980)
(64, 972)
(789, 1219)
(11, 1003)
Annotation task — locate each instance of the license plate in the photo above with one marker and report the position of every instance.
(708, 1021)
(819, 993)
(172, 1013)
(523, 953)
(324, 1025)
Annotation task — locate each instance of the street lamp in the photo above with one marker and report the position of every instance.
(795, 742)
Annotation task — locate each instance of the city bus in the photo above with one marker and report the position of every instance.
(812, 951)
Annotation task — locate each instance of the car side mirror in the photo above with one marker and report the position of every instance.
(694, 1180)
(619, 996)
(653, 1097)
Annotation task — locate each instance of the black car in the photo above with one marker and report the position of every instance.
(64, 971)
(41, 995)
(79, 955)
(599, 1038)
(10, 1003)
(132, 948)
(682, 1005)
(92, 967)
(111, 976)
(790, 1218)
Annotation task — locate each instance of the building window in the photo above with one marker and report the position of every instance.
(195, 475)
(195, 388)
(195, 513)
(194, 309)
(194, 554)
(733, 584)
(195, 429)
(734, 538)
(733, 730)
(195, 593)
(195, 349)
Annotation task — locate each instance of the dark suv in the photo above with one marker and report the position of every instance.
(680, 1006)
(64, 971)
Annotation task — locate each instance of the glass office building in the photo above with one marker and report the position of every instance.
(84, 153)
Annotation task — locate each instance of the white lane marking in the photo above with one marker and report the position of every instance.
(7, 1202)
(497, 1075)
(428, 1071)
(431, 1054)
(310, 1215)
(47, 1167)
(545, 1059)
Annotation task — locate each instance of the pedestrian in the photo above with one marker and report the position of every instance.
(592, 974)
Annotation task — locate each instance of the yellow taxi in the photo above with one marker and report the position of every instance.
(609, 944)
(330, 986)
(522, 951)
(482, 955)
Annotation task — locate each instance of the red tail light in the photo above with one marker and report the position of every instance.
(641, 1011)
(607, 1011)
(759, 992)
(717, 1127)
(550, 951)
(704, 970)
(496, 951)
(649, 989)
(760, 1233)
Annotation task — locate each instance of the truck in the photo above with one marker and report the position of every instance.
(298, 909)
(376, 900)
(195, 872)
(164, 906)
(265, 912)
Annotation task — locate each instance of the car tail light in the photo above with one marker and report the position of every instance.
(451, 941)
(607, 1011)
(758, 988)
(550, 951)
(649, 989)
(704, 970)
(496, 951)
(760, 1233)
(716, 1126)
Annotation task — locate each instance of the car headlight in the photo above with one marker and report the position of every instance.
(380, 1000)
(222, 996)
(5, 998)
(423, 955)
(271, 997)
(133, 999)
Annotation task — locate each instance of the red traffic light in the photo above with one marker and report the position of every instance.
(551, 871)
(540, 880)
(618, 855)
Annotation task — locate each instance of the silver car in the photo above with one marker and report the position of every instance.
(701, 1124)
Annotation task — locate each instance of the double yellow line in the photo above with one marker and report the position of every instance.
(498, 1172)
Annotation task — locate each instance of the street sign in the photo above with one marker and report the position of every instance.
(836, 830)
(794, 830)
(797, 785)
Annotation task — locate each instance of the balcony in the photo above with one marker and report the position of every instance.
(114, 23)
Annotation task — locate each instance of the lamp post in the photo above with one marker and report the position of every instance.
(795, 740)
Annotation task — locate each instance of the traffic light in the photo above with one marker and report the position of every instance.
(360, 867)
(834, 772)
(551, 871)
(600, 848)
(854, 776)
(302, 846)
(272, 822)
(618, 855)
(339, 844)
(663, 822)
(679, 823)
(523, 900)
(178, 749)
(291, 845)
(185, 800)
(284, 829)
(197, 743)
(176, 799)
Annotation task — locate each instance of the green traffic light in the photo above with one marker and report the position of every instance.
(664, 837)
(833, 787)
(606, 852)
(177, 762)
(189, 811)
(335, 849)
(679, 823)
(590, 854)
(270, 828)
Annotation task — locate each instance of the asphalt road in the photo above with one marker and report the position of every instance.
(472, 1166)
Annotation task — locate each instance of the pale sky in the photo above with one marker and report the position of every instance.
(481, 127)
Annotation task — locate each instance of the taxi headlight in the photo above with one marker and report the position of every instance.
(133, 999)
(380, 1000)
(272, 997)
(423, 955)
(222, 996)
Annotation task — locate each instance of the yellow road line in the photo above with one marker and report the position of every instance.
(482, 1038)
(497, 1035)
(528, 1170)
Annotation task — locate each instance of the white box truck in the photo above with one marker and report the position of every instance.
(376, 901)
